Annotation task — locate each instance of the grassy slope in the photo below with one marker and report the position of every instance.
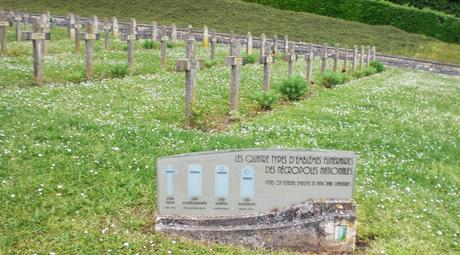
(77, 162)
(227, 15)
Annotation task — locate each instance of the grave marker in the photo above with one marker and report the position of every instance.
(4, 24)
(106, 34)
(38, 36)
(324, 56)
(309, 58)
(294, 199)
(131, 39)
(71, 26)
(290, 57)
(373, 53)
(189, 65)
(361, 58)
(164, 45)
(26, 18)
(77, 28)
(267, 61)
(336, 57)
(344, 68)
(190, 31)
(286, 44)
(95, 24)
(249, 44)
(368, 62)
(154, 31)
(17, 19)
(89, 37)
(115, 29)
(235, 61)
(205, 37)
(355, 57)
(46, 29)
(263, 41)
(275, 45)
(213, 45)
(173, 33)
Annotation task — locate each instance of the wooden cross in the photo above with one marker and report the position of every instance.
(25, 18)
(336, 58)
(106, 34)
(345, 60)
(205, 37)
(324, 57)
(190, 31)
(189, 65)
(173, 33)
(309, 58)
(154, 31)
(249, 43)
(115, 33)
(361, 58)
(89, 37)
(71, 26)
(267, 61)
(355, 57)
(37, 36)
(46, 28)
(373, 53)
(213, 45)
(77, 27)
(368, 62)
(235, 61)
(275, 45)
(4, 24)
(290, 57)
(17, 19)
(131, 38)
(163, 51)
(286, 44)
(263, 41)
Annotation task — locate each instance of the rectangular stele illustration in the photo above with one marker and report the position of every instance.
(221, 181)
(194, 180)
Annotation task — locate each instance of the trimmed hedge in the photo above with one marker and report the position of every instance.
(448, 6)
(428, 22)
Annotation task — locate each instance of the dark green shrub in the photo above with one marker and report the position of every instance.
(266, 100)
(150, 44)
(377, 65)
(250, 59)
(369, 71)
(293, 87)
(118, 70)
(170, 45)
(210, 63)
(332, 79)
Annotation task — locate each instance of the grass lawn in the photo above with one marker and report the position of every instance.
(78, 160)
(241, 17)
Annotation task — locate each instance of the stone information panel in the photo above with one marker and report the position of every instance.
(251, 181)
(291, 199)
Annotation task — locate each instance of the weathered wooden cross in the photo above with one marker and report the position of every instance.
(173, 33)
(324, 57)
(267, 61)
(309, 58)
(336, 58)
(249, 44)
(115, 31)
(46, 29)
(106, 34)
(235, 61)
(4, 24)
(37, 36)
(189, 65)
(355, 58)
(345, 61)
(275, 45)
(213, 45)
(89, 37)
(286, 44)
(290, 57)
(154, 32)
(77, 27)
(131, 39)
(71, 26)
(190, 31)
(17, 19)
(164, 45)
(263, 41)
(205, 37)
(368, 62)
(361, 58)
